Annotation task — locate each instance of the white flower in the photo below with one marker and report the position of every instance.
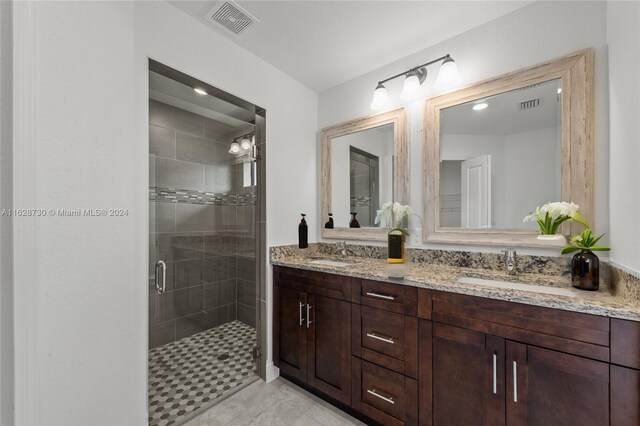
(556, 210)
(393, 214)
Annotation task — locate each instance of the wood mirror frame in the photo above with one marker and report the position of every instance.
(575, 72)
(398, 118)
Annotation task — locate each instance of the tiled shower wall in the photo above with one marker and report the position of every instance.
(202, 224)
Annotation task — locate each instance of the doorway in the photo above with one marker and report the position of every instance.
(206, 189)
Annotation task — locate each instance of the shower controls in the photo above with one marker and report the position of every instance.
(161, 276)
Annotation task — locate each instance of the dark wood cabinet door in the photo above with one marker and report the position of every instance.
(546, 387)
(290, 332)
(625, 396)
(329, 346)
(468, 377)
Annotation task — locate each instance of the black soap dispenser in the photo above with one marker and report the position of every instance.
(329, 224)
(303, 233)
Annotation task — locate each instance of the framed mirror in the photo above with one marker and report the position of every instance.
(364, 164)
(497, 149)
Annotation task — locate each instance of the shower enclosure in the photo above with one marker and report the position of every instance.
(206, 211)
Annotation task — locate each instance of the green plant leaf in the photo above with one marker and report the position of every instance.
(569, 249)
(595, 240)
(599, 248)
(580, 219)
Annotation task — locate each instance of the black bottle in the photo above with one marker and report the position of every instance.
(303, 232)
(329, 224)
(354, 222)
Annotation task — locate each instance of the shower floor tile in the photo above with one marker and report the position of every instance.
(187, 375)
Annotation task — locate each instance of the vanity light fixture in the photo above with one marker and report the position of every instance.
(242, 144)
(414, 77)
(480, 106)
(234, 148)
(200, 91)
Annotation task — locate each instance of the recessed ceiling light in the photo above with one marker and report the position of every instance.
(480, 107)
(200, 91)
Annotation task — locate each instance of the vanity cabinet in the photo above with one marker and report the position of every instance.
(312, 331)
(401, 355)
(499, 361)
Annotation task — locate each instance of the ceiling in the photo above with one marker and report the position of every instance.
(503, 116)
(325, 43)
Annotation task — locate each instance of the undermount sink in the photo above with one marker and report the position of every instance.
(329, 262)
(516, 286)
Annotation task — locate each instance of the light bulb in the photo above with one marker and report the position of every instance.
(448, 75)
(200, 91)
(380, 98)
(234, 148)
(480, 107)
(411, 89)
(245, 143)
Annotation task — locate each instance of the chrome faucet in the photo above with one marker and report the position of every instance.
(342, 245)
(510, 262)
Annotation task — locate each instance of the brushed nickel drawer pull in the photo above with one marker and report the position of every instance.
(515, 381)
(308, 318)
(381, 296)
(495, 374)
(384, 339)
(374, 393)
(300, 310)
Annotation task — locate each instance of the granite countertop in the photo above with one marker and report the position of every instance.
(444, 278)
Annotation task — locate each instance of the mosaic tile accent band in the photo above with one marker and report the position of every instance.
(188, 196)
(186, 376)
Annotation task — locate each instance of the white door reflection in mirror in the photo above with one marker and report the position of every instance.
(476, 192)
(519, 135)
(361, 174)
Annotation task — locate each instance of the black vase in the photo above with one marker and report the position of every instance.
(353, 223)
(585, 271)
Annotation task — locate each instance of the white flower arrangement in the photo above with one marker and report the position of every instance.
(552, 215)
(393, 214)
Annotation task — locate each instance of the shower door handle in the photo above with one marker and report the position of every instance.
(161, 276)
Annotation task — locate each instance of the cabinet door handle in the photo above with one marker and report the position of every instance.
(495, 374)
(374, 393)
(308, 318)
(162, 267)
(515, 381)
(300, 310)
(384, 339)
(381, 296)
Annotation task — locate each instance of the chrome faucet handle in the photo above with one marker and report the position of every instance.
(510, 261)
(343, 250)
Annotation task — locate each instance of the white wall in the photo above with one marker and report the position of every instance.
(623, 34)
(86, 361)
(6, 224)
(533, 34)
(89, 286)
(532, 170)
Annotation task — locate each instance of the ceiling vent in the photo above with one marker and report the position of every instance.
(531, 103)
(231, 17)
(531, 86)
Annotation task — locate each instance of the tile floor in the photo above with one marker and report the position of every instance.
(279, 403)
(187, 375)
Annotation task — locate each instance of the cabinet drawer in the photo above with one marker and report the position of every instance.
(397, 298)
(572, 332)
(386, 338)
(384, 395)
(330, 285)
